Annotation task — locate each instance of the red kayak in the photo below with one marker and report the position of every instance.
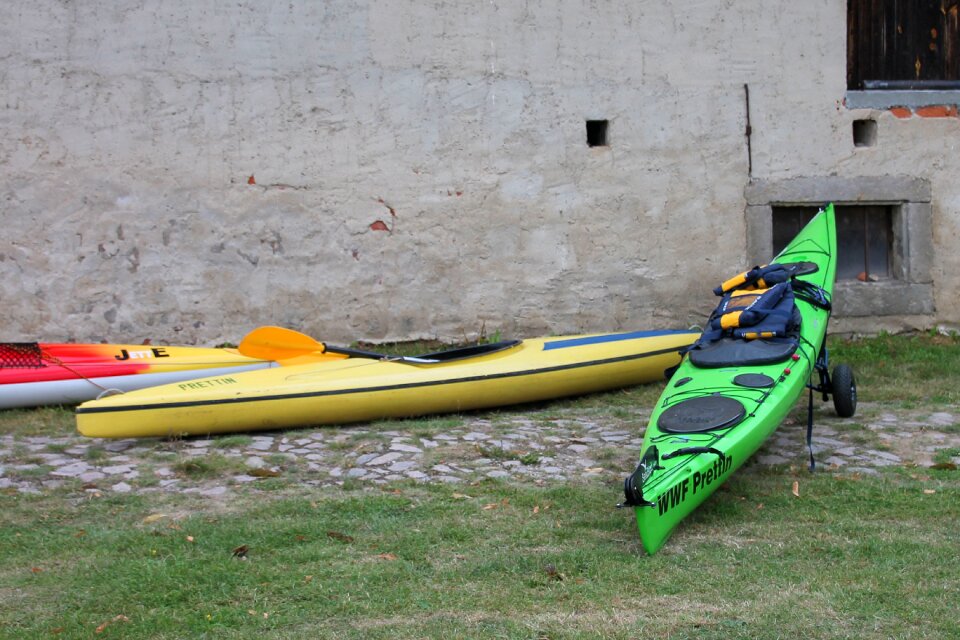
(37, 373)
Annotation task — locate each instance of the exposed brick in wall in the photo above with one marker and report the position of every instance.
(934, 111)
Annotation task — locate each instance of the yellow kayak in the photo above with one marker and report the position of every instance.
(369, 387)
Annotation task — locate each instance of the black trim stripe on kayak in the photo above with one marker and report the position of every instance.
(392, 387)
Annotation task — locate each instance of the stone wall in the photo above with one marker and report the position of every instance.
(399, 169)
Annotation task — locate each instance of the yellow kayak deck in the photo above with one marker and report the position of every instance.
(362, 389)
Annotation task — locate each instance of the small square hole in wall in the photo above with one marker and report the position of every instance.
(597, 133)
(864, 133)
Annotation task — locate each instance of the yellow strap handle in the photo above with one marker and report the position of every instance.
(730, 320)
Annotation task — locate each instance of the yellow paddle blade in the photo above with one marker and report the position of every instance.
(277, 343)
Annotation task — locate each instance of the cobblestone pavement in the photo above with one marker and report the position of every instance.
(533, 445)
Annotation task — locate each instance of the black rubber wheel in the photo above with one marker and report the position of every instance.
(844, 391)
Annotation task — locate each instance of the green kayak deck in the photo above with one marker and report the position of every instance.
(723, 402)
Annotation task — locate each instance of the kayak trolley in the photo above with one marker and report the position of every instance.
(840, 385)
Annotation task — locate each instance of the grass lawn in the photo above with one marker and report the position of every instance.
(852, 556)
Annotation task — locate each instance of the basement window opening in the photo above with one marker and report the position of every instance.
(884, 231)
(864, 238)
(597, 133)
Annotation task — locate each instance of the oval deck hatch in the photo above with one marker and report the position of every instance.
(701, 414)
(753, 380)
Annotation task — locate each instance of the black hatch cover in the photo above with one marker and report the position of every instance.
(753, 380)
(704, 413)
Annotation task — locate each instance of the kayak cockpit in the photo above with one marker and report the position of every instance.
(734, 352)
(757, 322)
(437, 357)
(461, 353)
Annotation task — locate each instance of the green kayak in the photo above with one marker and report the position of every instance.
(757, 354)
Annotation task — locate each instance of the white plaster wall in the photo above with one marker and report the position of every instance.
(130, 132)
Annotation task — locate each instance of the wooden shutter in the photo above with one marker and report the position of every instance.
(903, 44)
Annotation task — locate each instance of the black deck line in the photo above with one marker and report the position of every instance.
(410, 385)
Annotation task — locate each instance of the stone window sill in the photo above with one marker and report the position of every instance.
(908, 99)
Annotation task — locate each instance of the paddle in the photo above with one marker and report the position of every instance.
(277, 343)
